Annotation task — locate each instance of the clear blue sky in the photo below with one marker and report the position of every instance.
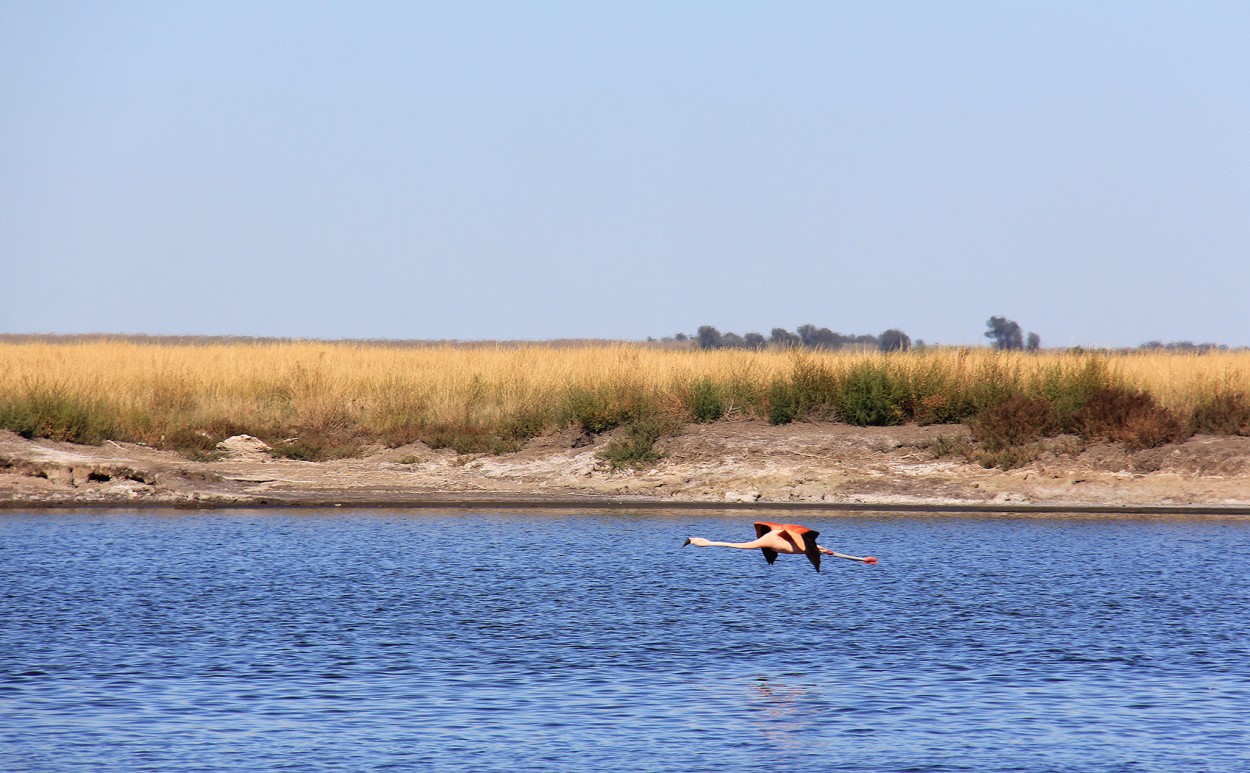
(545, 170)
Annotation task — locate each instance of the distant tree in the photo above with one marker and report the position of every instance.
(782, 338)
(1188, 347)
(893, 340)
(821, 338)
(708, 337)
(681, 337)
(754, 340)
(1033, 342)
(1004, 333)
(732, 341)
(828, 339)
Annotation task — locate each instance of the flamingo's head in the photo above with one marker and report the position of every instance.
(698, 542)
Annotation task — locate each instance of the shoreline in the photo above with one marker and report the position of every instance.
(566, 503)
(747, 466)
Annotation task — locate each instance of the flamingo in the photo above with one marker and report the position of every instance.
(776, 538)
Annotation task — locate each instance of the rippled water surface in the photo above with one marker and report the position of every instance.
(521, 641)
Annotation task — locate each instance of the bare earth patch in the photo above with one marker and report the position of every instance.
(725, 462)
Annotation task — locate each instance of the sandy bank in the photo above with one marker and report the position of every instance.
(725, 464)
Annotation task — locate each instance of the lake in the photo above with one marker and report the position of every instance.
(408, 640)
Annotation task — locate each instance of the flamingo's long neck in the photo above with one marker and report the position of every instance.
(739, 545)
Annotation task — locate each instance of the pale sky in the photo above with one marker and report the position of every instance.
(535, 170)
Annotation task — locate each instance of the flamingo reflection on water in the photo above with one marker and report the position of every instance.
(776, 538)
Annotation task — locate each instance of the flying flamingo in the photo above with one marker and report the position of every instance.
(775, 538)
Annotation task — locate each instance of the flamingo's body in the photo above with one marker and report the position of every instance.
(774, 539)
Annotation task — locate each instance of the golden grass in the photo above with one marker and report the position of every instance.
(154, 393)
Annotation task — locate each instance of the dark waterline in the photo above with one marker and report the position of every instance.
(375, 640)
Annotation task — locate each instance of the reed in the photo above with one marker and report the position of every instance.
(316, 399)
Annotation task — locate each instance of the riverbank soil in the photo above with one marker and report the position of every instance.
(723, 462)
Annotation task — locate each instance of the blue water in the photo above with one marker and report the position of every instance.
(375, 640)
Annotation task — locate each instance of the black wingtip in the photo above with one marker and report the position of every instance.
(811, 549)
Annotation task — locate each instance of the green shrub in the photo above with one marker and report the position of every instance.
(871, 397)
(297, 449)
(467, 438)
(940, 408)
(816, 389)
(602, 408)
(193, 443)
(49, 412)
(636, 448)
(705, 401)
(199, 441)
(990, 385)
(783, 402)
(527, 423)
(316, 447)
(1068, 389)
(397, 420)
(935, 397)
(506, 434)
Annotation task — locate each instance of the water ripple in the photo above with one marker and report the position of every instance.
(332, 641)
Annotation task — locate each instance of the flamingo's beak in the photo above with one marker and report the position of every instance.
(687, 542)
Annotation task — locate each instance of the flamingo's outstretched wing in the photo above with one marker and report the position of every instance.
(762, 528)
(810, 549)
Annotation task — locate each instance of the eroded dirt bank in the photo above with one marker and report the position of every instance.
(725, 462)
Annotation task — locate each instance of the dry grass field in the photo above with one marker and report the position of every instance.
(319, 400)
